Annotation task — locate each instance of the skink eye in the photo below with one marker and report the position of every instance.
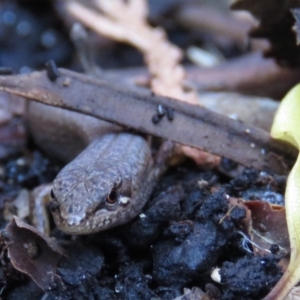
(112, 197)
(53, 205)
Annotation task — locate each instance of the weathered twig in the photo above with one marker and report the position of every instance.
(251, 74)
(192, 125)
(127, 22)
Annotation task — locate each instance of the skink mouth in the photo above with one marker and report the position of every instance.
(79, 226)
(70, 226)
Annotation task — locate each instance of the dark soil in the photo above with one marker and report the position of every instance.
(176, 242)
(178, 239)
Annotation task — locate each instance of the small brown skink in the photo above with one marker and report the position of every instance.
(105, 185)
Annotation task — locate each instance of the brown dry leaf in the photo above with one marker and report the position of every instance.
(201, 158)
(276, 24)
(33, 253)
(253, 147)
(268, 226)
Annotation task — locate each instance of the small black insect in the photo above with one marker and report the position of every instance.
(161, 111)
(52, 70)
(155, 119)
(170, 113)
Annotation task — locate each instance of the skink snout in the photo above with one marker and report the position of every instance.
(74, 220)
(69, 215)
(72, 215)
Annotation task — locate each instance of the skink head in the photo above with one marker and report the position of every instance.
(88, 203)
(106, 185)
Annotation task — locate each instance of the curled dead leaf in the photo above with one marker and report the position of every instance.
(33, 253)
(268, 227)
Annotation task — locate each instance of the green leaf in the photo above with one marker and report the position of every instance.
(286, 127)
